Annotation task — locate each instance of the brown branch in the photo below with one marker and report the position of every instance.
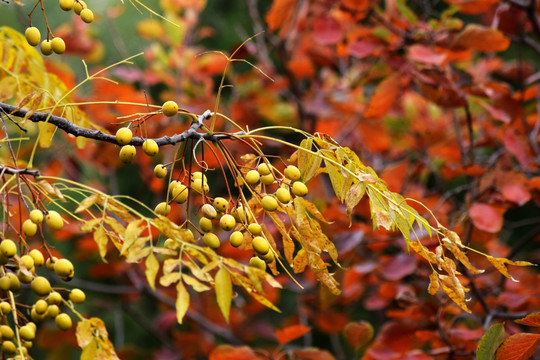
(70, 128)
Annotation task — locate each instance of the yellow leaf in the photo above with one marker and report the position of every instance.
(46, 133)
(152, 268)
(182, 302)
(353, 196)
(84, 333)
(223, 286)
(433, 283)
(90, 351)
(89, 225)
(460, 256)
(131, 234)
(308, 163)
(499, 264)
(101, 239)
(300, 261)
(336, 178)
(169, 279)
(455, 291)
(86, 203)
(194, 283)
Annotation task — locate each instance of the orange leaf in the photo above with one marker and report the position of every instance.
(358, 334)
(228, 352)
(383, 98)
(473, 6)
(291, 333)
(516, 193)
(530, 320)
(481, 38)
(485, 218)
(518, 347)
(280, 14)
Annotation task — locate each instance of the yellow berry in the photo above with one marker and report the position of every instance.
(8, 248)
(299, 189)
(254, 228)
(24, 278)
(171, 186)
(33, 36)
(267, 179)
(5, 283)
(28, 262)
(36, 216)
(211, 240)
(252, 177)
(269, 203)
(171, 244)
(46, 47)
(8, 346)
(197, 185)
(66, 5)
(260, 245)
(27, 333)
(236, 239)
(188, 235)
(227, 222)
(221, 204)
(14, 282)
(124, 136)
(292, 173)
(54, 298)
(41, 306)
(205, 224)
(268, 257)
(63, 268)
(54, 220)
(79, 6)
(257, 263)
(160, 171)
(180, 193)
(127, 153)
(87, 15)
(53, 311)
(37, 256)
(77, 296)
(5, 307)
(35, 316)
(63, 321)
(169, 108)
(58, 45)
(31, 325)
(150, 147)
(7, 332)
(198, 175)
(163, 209)
(50, 263)
(283, 195)
(41, 286)
(29, 228)
(209, 211)
(263, 169)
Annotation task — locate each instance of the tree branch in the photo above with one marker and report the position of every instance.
(13, 171)
(70, 128)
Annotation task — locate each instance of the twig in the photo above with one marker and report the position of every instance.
(13, 171)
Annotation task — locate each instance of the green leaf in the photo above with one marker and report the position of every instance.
(223, 285)
(489, 343)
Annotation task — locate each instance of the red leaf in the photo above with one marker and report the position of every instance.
(291, 333)
(517, 147)
(530, 320)
(425, 55)
(486, 218)
(516, 193)
(326, 30)
(398, 267)
(358, 334)
(383, 98)
(481, 38)
(312, 354)
(498, 114)
(228, 352)
(361, 49)
(518, 347)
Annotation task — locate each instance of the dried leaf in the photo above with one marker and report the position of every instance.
(87, 203)
(300, 261)
(101, 239)
(433, 287)
(223, 286)
(488, 344)
(499, 264)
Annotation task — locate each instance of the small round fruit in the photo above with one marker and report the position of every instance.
(197, 185)
(77, 296)
(36, 216)
(198, 175)
(150, 147)
(7, 332)
(211, 240)
(257, 263)
(124, 136)
(267, 179)
(163, 209)
(171, 186)
(227, 222)
(252, 177)
(46, 47)
(79, 6)
(8, 248)
(35, 316)
(260, 245)
(283, 195)
(29, 228)
(8, 346)
(41, 306)
(268, 257)
(5, 307)
(63, 268)
(53, 311)
(33, 36)
(50, 263)
(205, 224)
(292, 173)
(54, 220)
(221, 204)
(58, 45)
(67, 5)
(27, 333)
(41, 286)
(54, 298)
(299, 189)
(254, 229)
(63, 321)
(87, 15)
(14, 282)
(24, 278)
(160, 171)
(170, 108)
(127, 154)
(236, 239)
(32, 326)
(269, 203)
(5, 283)
(28, 262)
(188, 236)
(263, 169)
(180, 193)
(209, 211)
(37, 256)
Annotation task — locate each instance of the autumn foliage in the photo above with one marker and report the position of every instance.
(344, 179)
